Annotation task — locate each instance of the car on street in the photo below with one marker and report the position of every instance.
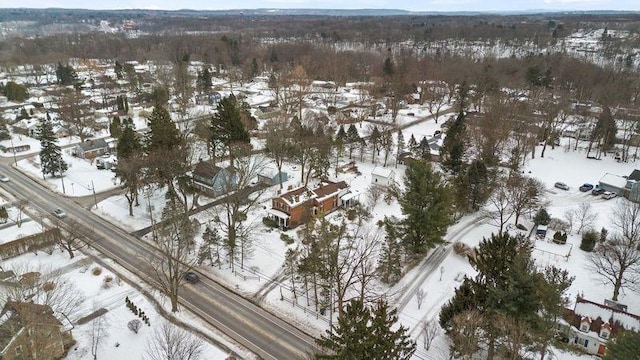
(4, 178)
(59, 213)
(561, 185)
(597, 191)
(608, 195)
(191, 277)
(586, 187)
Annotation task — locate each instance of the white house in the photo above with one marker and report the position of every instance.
(591, 324)
(383, 176)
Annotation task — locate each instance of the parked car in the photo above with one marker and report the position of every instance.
(608, 195)
(561, 185)
(4, 178)
(59, 213)
(597, 191)
(586, 187)
(191, 277)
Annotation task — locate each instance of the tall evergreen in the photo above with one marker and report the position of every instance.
(227, 128)
(413, 144)
(454, 147)
(427, 204)
(129, 143)
(163, 133)
(424, 151)
(390, 261)
(65, 75)
(353, 138)
(625, 347)
(50, 154)
(115, 127)
(366, 333)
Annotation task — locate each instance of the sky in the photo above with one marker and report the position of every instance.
(413, 5)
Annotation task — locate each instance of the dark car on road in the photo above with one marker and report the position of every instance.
(597, 191)
(586, 187)
(191, 277)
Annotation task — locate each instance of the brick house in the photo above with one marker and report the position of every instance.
(297, 205)
(29, 330)
(591, 325)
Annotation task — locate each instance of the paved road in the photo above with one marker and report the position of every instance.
(253, 327)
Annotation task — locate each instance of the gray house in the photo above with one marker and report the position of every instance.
(91, 148)
(213, 180)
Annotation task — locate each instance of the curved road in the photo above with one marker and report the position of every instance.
(251, 326)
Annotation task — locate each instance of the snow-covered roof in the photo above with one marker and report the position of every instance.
(383, 172)
(614, 180)
(593, 310)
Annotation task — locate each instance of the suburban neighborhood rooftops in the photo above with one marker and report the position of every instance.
(613, 180)
(206, 170)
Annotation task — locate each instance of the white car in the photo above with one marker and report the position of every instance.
(608, 195)
(59, 213)
(4, 178)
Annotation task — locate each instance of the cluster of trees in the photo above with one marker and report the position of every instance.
(14, 91)
(489, 315)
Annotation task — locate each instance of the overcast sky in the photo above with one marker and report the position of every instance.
(416, 5)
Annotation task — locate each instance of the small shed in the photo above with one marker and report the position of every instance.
(383, 176)
(541, 231)
(613, 183)
(272, 177)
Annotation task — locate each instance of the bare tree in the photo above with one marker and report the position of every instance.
(71, 239)
(231, 215)
(42, 285)
(500, 208)
(465, 334)
(524, 194)
(134, 325)
(430, 331)
(420, 294)
(173, 237)
(616, 261)
(98, 332)
(172, 343)
(585, 217)
(76, 114)
(279, 142)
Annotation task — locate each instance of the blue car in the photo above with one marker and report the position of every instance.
(586, 187)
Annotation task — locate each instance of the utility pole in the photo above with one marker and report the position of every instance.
(95, 199)
(13, 150)
(61, 176)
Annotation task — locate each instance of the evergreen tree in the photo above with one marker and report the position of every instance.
(227, 128)
(542, 217)
(341, 133)
(424, 151)
(605, 130)
(374, 140)
(4, 132)
(388, 68)
(365, 333)
(454, 146)
(163, 133)
(413, 144)
(115, 128)
(65, 75)
(390, 261)
(50, 154)
(353, 139)
(426, 202)
(14, 91)
(255, 69)
(400, 145)
(119, 70)
(204, 79)
(129, 143)
(473, 186)
(625, 347)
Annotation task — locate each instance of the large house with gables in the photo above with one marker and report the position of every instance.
(297, 205)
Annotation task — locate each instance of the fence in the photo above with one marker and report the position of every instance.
(29, 243)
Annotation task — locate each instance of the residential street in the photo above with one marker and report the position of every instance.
(258, 330)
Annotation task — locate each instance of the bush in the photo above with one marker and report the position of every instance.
(269, 222)
(96, 271)
(589, 239)
(351, 214)
(542, 217)
(331, 110)
(462, 249)
(134, 325)
(286, 238)
(560, 237)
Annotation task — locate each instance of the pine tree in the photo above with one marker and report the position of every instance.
(227, 128)
(353, 138)
(119, 70)
(624, 347)
(454, 146)
(115, 128)
(163, 133)
(390, 261)
(4, 132)
(204, 79)
(50, 154)
(424, 151)
(374, 140)
(400, 145)
(413, 144)
(129, 143)
(65, 75)
(365, 333)
(426, 202)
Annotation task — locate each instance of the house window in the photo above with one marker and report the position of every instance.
(604, 334)
(584, 327)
